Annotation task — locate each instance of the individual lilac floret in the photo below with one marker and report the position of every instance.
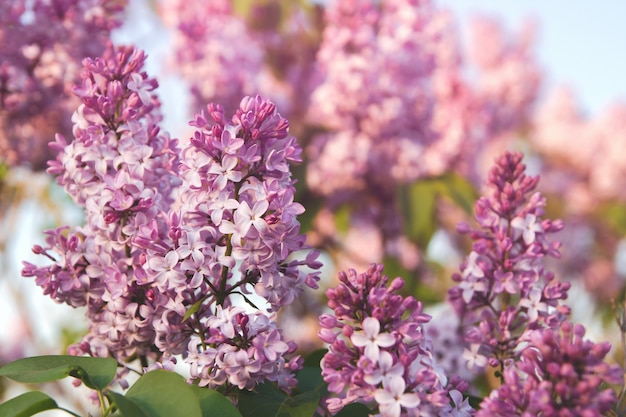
(379, 354)
(503, 290)
(559, 374)
(120, 168)
(241, 350)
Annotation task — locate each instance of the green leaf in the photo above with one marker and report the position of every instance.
(264, 401)
(342, 218)
(212, 403)
(314, 358)
(302, 405)
(310, 376)
(194, 307)
(96, 373)
(125, 406)
(27, 404)
(354, 410)
(164, 394)
(419, 204)
(459, 190)
(310, 379)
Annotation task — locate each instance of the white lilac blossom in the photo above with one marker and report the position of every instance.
(379, 353)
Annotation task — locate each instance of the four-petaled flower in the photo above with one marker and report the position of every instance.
(528, 226)
(371, 338)
(474, 358)
(534, 304)
(392, 398)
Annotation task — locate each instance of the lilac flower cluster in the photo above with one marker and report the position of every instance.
(173, 239)
(235, 229)
(120, 169)
(243, 349)
(512, 313)
(43, 43)
(559, 374)
(379, 353)
(385, 47)
(503, 290)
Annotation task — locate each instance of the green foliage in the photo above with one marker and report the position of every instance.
(342, 218)
(264, 401)
(310, 376)
(302, 405)
(212, 403)
(125, 407)
(161, 393)
(419, 203)
(164, 394)
(354, 410)
(268, 401)
(614, 216)
(27, 404)
(96, 373)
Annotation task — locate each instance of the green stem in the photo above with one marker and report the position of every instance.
(105, 412)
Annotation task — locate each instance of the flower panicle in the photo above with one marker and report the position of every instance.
(379, 353)
(503, 290)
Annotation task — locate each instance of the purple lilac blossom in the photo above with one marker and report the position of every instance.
(559, 374)
(234, 231)
(43, 44)
(503, 290)
(379, 353)
(174, 238)
(242, 349)
(120, 168)
(373, 64)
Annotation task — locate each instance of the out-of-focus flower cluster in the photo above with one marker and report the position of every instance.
(41, 49)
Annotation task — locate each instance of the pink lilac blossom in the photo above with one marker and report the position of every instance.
(373, 63)
(43, 43)
(120, 169)
(559, 374)
(503, 290)
(379, 353)
(372, 100)
(215, 52)
(509, 78)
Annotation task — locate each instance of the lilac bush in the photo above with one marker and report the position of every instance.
(194, 250)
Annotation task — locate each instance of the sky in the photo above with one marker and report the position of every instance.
(581, 43)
